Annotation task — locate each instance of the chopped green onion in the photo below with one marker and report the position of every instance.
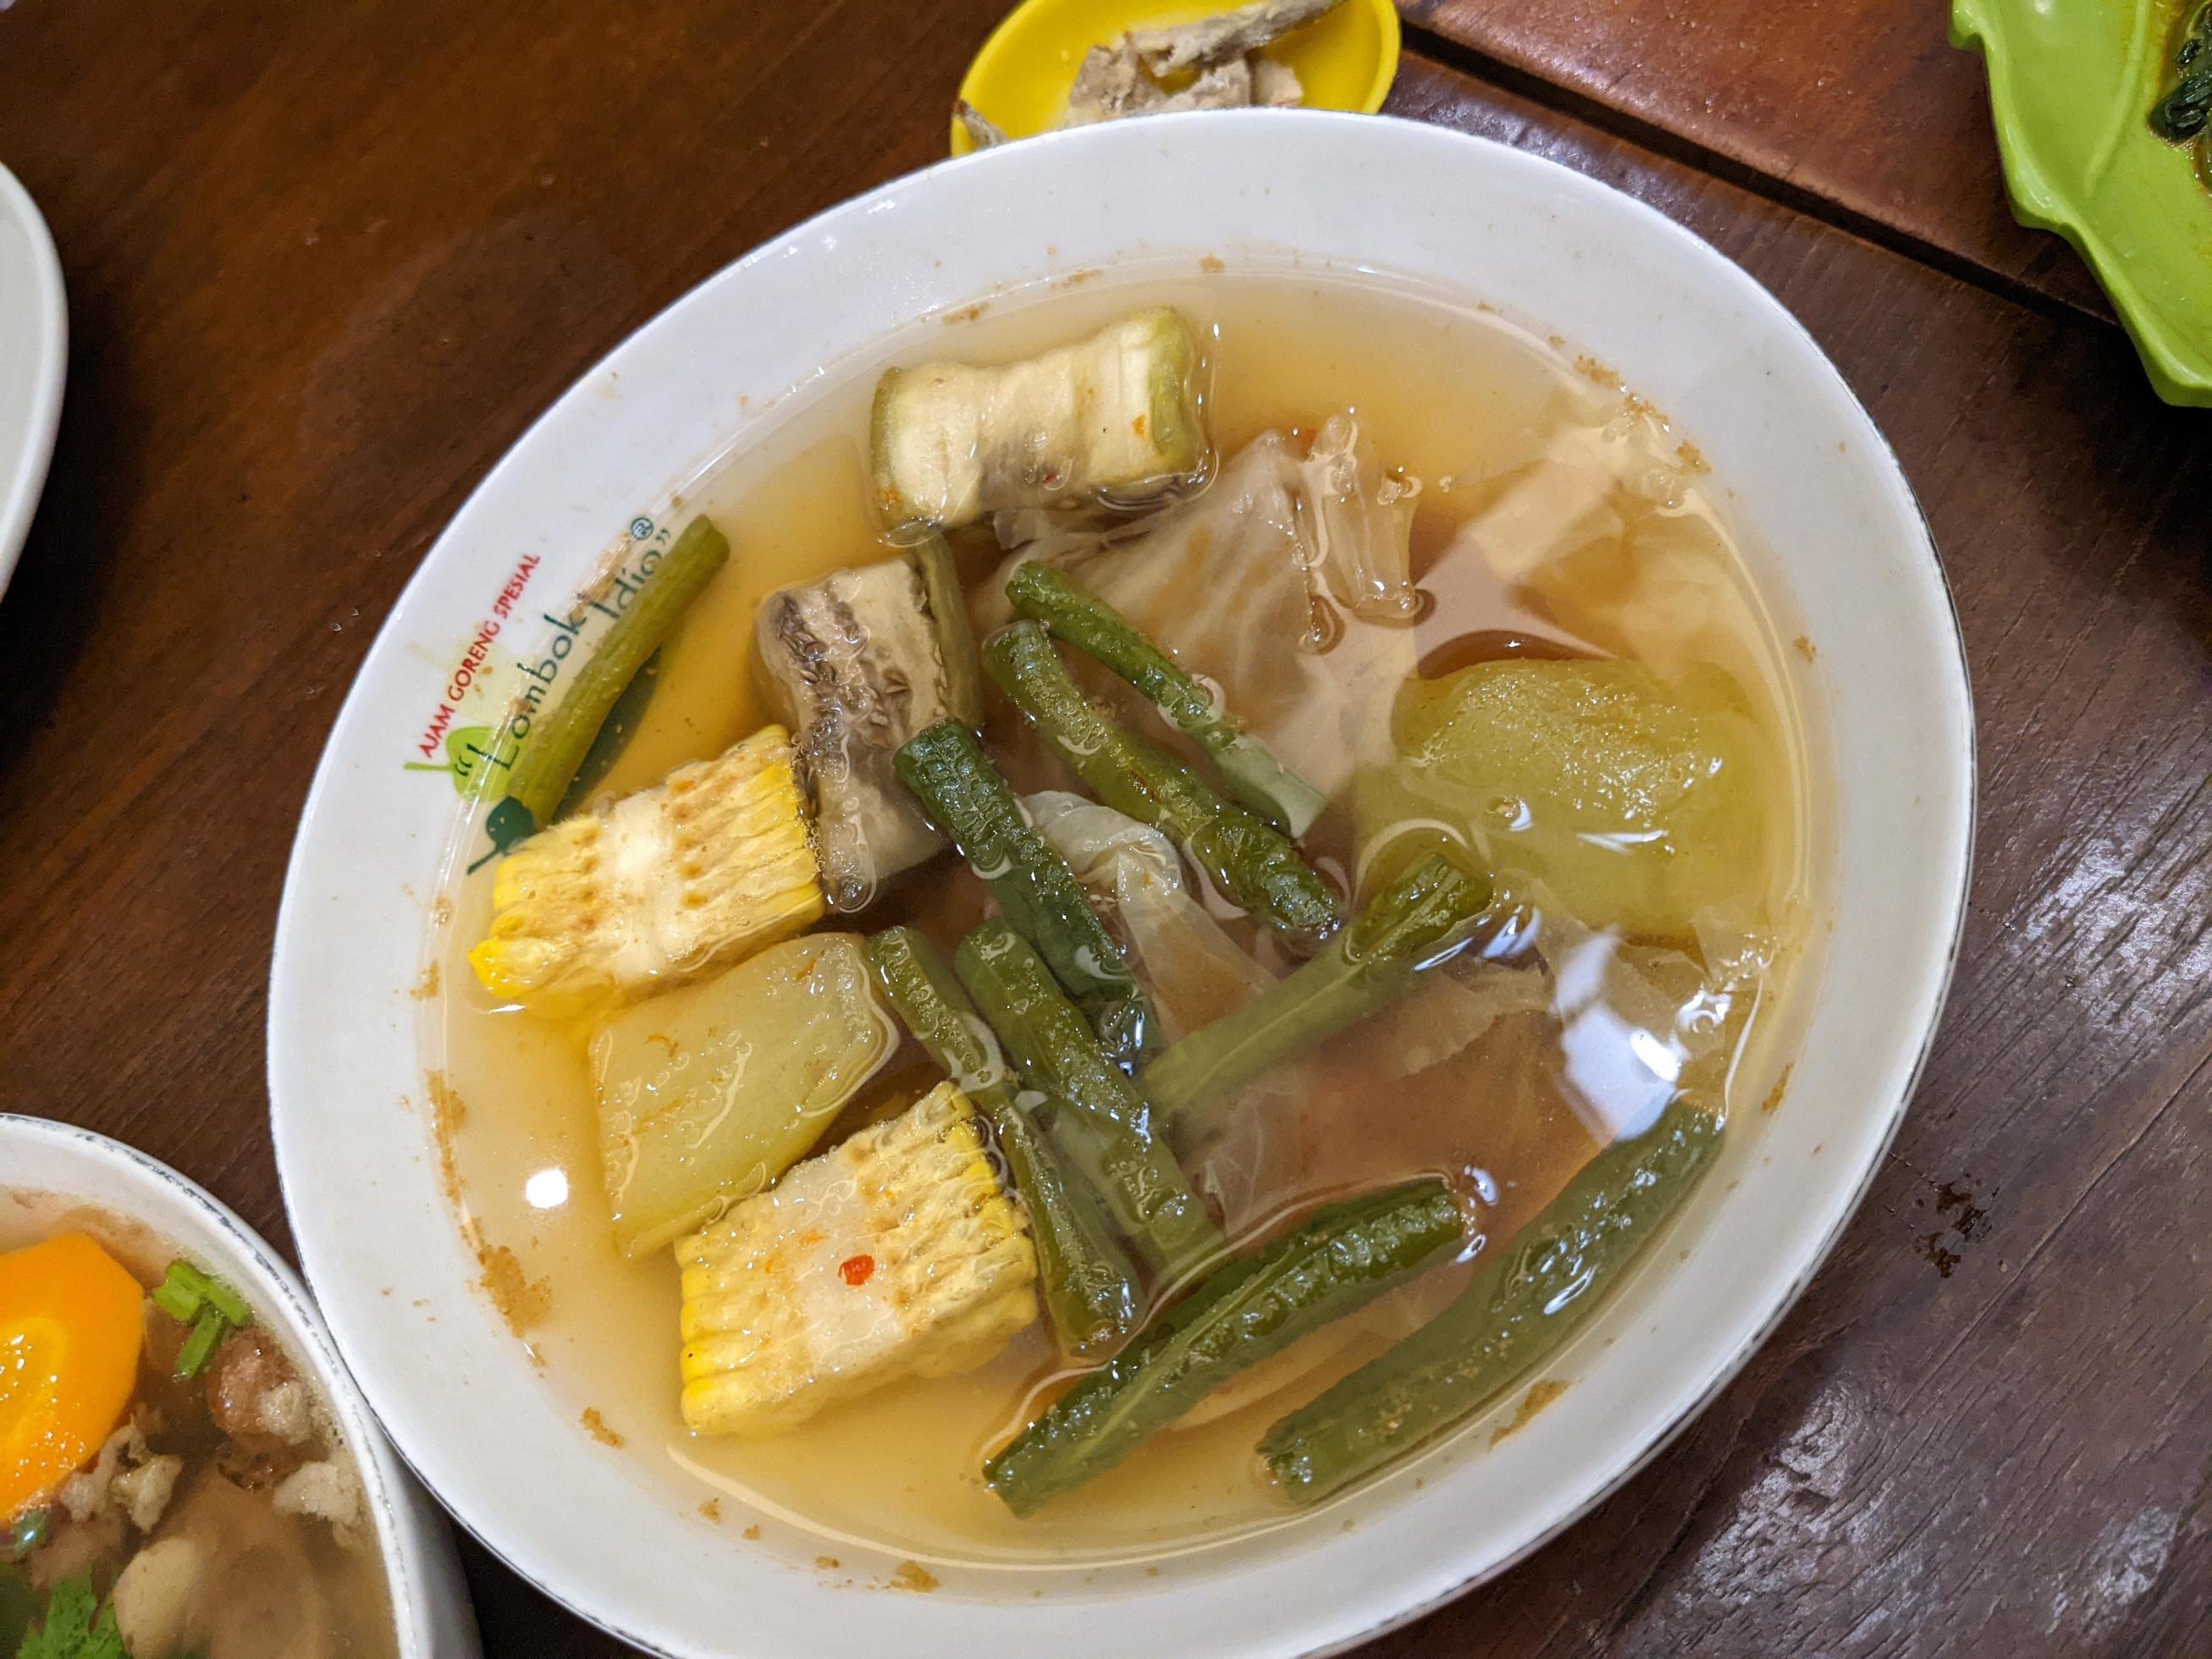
(185, 1292)
(227, 1303)
(176, 1298)
(206, 1333)
(183, 1273)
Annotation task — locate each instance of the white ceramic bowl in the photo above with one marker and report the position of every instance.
(1841, 548)
(429, 1603)
(33, 359)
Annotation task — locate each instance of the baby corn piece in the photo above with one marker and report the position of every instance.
(897, 1254)
(710, 864)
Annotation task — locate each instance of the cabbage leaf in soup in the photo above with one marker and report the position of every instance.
(1309, 643)
(1191, 970)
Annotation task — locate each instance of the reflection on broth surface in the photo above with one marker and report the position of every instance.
(1572, 685)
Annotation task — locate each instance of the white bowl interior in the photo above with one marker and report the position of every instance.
(1844, 551)
(430, 1604)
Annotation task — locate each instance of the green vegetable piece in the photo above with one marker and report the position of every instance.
(559, 741)
(1516, 1312)
(2181, 114)
(1103, 1122)
(1071, 612)
(207, 1330)
(1374, 960)
(183, 1273)
(227, 1303)
(613, 736)
(1244, 856)
(177, 1296)
(1639, 800)
(969, 803)
(708, 1093)
(2067, 84)
(1342, 1258)
(1119, 415)
(184, 1291)
(955, 634)
(1089, 1286)
(75, 1626)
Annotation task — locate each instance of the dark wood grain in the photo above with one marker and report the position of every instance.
(1859, 110)
(326, 262)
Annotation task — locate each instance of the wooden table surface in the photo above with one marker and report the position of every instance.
(325, 262)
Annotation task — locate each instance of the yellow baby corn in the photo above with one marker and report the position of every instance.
(711, 864)
(897, 1254)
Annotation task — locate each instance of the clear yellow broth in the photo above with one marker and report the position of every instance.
(1459, 396)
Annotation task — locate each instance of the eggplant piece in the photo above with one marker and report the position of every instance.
(855, 664)
(1117, 414)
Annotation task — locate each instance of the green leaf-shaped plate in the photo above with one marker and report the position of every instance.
(2071, 86)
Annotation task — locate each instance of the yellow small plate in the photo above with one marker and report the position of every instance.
(1021, 78)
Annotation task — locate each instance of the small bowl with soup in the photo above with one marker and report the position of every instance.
(1151, 891)
(186, 1468)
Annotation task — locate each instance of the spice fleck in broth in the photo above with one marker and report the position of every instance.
(1574, 643)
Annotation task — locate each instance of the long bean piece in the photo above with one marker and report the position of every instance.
(1515, 1313)
(1256, 777)
(1341, 1258)
(1089, 1286)
(1102, 1122)
(1373, 961)
(1244, 856)
(558, 745)
(968, 800)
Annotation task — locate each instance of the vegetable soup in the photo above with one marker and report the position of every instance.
(172, 1485)
(1162, 889)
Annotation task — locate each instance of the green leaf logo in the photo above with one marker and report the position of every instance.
(478, 757)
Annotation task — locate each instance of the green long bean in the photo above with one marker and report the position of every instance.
(1090, 1289)
(1513, 1315)
(1246, 858)
(1256, 777)
(559, 741)
(1342, 1258)
(1100, 1121)
(967, 798)
(1371, 962)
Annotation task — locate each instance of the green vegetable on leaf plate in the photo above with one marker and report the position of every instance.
(2069, 88)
